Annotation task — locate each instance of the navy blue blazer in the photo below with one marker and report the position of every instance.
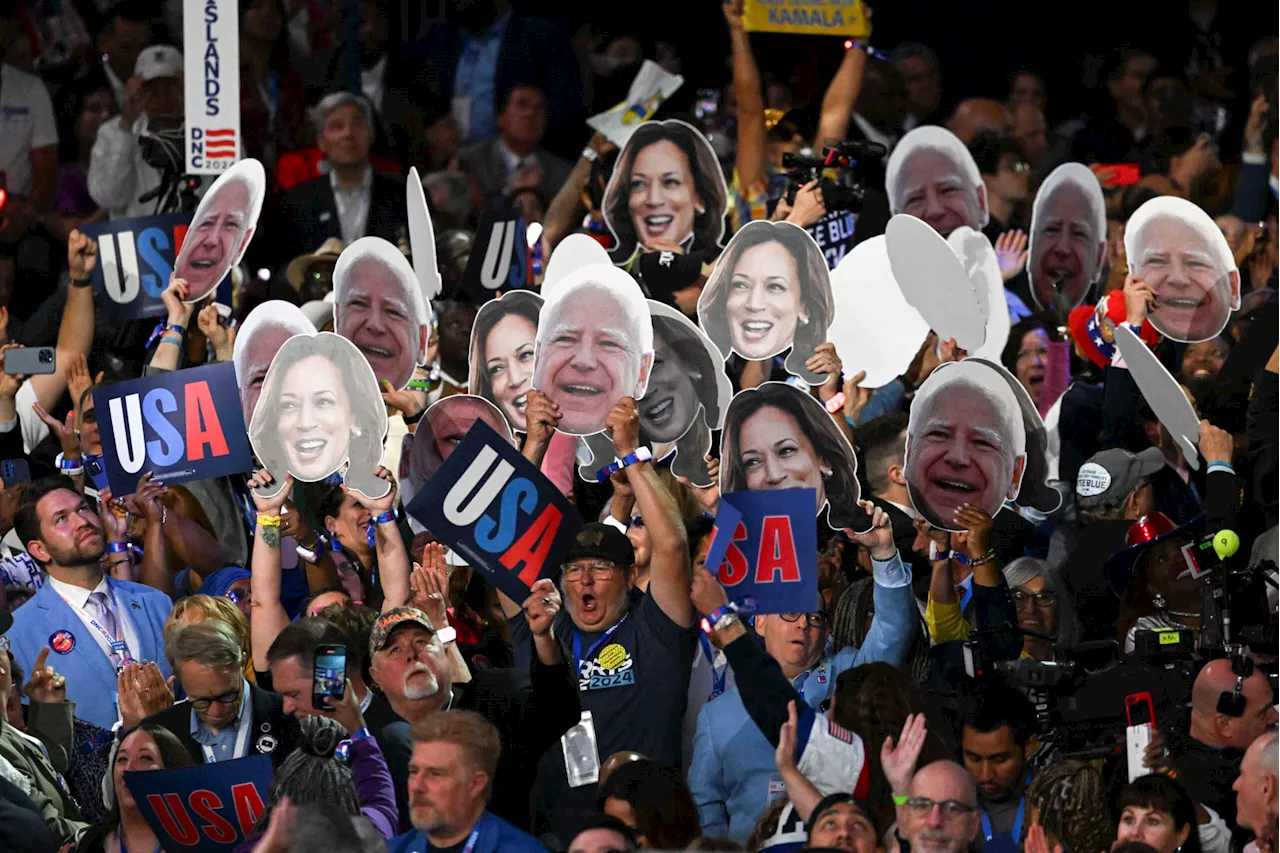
(90, 674)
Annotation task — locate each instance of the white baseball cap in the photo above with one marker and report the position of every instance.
(157, 61)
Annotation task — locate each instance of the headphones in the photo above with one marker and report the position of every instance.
(1231, 702)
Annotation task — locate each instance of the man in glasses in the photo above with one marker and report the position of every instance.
(632, 651)
(940, 814)
(225, 717)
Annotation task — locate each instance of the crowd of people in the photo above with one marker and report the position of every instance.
(1003, 612)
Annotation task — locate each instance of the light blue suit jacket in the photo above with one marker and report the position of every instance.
(91, 677)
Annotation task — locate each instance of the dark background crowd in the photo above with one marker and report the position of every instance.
(956, 692)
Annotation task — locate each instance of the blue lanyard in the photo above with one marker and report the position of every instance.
(471, 840)
(968, 594)
(718, 676)
(1017, 819)
(591, 652)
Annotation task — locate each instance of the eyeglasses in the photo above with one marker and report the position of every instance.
(1043, 600)
(239, 595)
(575, 571)
(636, 521)
(951, 809)
(813, 620)
(228, 698)
(1019, 167)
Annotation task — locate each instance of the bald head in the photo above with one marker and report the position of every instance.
(974, 116)
(1213, 728)
(1256, 788)
(944, 780)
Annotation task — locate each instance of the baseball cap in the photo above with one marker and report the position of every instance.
(602, 542)
(1110, 475)
(395, 618)
(162, 60)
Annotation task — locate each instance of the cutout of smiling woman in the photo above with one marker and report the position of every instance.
(1068, 238)
(667, 187)
(687, 397)
(320, 410)
(770, 291)
(1175, 247)
(966, 442)
(221, 229)
(594, 346)
(378, 305)
(779, 437)
(502, 343)
(260, 337)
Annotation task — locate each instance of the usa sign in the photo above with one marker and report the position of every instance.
(764, 546)
(210, 808)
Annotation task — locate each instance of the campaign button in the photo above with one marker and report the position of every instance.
(62, 642)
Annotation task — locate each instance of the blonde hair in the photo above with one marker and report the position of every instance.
(202, 607)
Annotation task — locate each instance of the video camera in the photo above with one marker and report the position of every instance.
(847, 190)
(161, 144)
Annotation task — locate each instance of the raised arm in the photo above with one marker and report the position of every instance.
(146, 503)
(749, 163)
(670, 580)
(168, 349)
(541, 417)
(267, 618)
(75, 334)
(842, 92)
(393, 557)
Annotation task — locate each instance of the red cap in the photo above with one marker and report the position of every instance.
(1111, 312)
(1149, 527)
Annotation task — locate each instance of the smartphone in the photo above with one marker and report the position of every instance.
(29, 361)
(1118, 174)
(1140, 714)
(329, 675)
(15, 472)
(95, 472)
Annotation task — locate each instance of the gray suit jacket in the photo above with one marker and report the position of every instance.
(483, 162)
(56, 806)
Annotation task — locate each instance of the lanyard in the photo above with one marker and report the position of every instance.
(591, 652)
(119, 653)
(718, 676)
(1017, 821)
(242, 736)
(964, 598)
(471, 840)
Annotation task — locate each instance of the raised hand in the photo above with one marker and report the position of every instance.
(879, 539)
(1139, 299)
(708, 497)
(975, 520)
(428, 584)
(809, 206)
(220, 337)
(9, 385)
(1037, 842)
(1216, 445)
(82, 255)
(381, 505)
(114, 516)
(146, 502)
(174, 298)
(64, 431)
(856, 397)
(45, 686)
(79, 379)
(261, 483)
(142, 691)
(623, 423)
(541, 607)
(732, 13)
(785, 753)
(541, 415)
(899, 760)
(707, 594)
(1011, 253)
(406, 401)
(825, 360)
(346, 711)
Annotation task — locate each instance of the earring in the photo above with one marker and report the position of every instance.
(699, 209)
(804, 321)
(826, 473)
(1158, 602)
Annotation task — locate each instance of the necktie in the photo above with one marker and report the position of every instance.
(106, 617)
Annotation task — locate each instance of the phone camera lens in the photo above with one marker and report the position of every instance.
(45, 356)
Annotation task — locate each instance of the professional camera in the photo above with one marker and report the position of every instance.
(847, 190)
(162, 143)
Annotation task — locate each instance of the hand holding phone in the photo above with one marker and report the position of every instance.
(332, 695)
(29, 361)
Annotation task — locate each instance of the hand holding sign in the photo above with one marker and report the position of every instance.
(1138, 300)
(623, 423)
(381, 505)
(764, 546)
(879, 539)
(541, 607)
(268, 498)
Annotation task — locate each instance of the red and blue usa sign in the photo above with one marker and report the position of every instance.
(765, 546)
(210, 808)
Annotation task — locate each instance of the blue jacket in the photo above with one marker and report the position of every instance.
(495, 835)
(733, 767)
(91, 677)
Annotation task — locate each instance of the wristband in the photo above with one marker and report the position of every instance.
(900, 799)
(410, 420)
(117, 547)
(447, 634)
(418, 385)
(1219, 466)
(161, 328)
(360, 734)
(268, 520)
(983, 560)
(81, 282)
(65, 464)
(640, 454)
(835, 404)
(589, 154)
(391, 515)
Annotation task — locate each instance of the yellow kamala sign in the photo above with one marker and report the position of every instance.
(812, 17)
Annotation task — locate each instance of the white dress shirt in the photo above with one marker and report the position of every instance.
(77, 598)
(353, 206)
(373, 82)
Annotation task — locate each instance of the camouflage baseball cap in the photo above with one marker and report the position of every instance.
(391, 620)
